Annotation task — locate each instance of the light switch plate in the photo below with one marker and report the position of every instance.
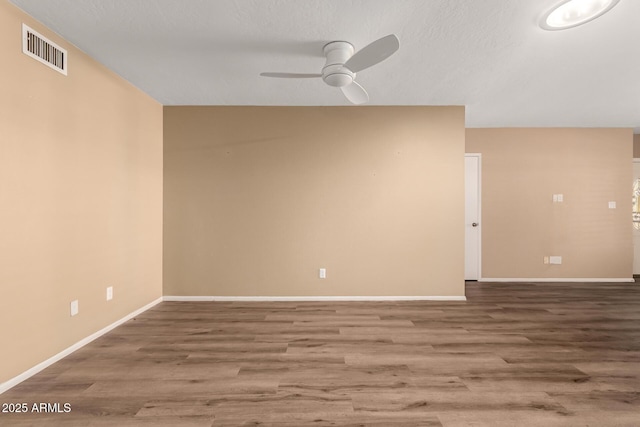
(109, 293)
(323, 273)
(612, 205)
(74, 307)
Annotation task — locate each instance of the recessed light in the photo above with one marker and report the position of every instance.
(571, 13)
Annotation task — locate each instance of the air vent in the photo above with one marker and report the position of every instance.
(40, 48)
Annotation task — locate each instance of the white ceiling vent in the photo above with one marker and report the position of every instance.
(44, 50)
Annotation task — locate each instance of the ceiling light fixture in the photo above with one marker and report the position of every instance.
(571, 13)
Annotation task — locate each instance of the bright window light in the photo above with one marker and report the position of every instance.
(571, 13)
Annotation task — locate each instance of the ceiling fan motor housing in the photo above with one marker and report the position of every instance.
(334, 73)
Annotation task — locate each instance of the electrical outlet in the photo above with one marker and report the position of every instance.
(323, 273)
(109, 293)
(74, 307)
(555, 260)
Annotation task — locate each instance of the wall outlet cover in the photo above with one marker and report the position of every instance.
(323, 273)
(109, 293)
(555, 260)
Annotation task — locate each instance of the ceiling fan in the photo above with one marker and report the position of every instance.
(342, 65)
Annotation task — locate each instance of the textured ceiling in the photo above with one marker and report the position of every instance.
(489, 55)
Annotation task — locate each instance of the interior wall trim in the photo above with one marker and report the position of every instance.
(563, 279)
(64, 353)
(316, 298)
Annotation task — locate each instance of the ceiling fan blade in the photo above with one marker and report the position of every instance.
(373, 53)
(291, 75)
(355, 93)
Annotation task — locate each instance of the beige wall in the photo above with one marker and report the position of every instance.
(257, 199)
(522, 169)
(636, 146)
(80, 199)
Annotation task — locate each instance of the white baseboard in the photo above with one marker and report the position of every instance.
(546, 279)
(318, 298)
(50, 361)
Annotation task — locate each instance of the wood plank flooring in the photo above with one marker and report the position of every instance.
(552, 354)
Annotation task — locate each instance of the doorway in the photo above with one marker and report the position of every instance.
(472, 212)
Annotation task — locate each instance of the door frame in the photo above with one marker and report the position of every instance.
(635, 160)
(479, 157)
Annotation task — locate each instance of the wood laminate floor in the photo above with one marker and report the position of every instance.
(512, 355)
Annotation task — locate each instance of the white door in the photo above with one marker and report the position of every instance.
(636, 233)
(472, 217)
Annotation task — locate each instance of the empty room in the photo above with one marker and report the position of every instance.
(319, 213)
